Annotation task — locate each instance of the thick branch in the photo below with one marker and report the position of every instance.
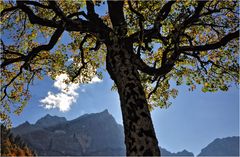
(213, 46)
(34, 3)
(77, 14)
(90, 10)
(141, 26)
(204, 63)
(82, 58)
(34, 19)
(135, 11)
(57, 10)
(163, 13)
(5, 11)
(143, 67)
(97, 46)
(36, 50)
(149, 34)
(6, 51)
(84, 63)
(154, 33)
(71, 25)
(196, 14)
(10, 61)
(115, 9)
(29, 57)
(155, 88)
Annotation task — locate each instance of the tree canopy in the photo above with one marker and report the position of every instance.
(188, 42)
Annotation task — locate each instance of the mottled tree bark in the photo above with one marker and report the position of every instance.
(140, 138)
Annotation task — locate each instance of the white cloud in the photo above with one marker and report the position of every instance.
(95, 79)
(67, 95)
(61, 101)
(65, 98)
(65, 88)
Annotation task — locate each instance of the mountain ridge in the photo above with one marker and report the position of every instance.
(222, 147)
(52, 135)
(83, 135)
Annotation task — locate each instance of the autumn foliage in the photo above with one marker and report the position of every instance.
(13, 146)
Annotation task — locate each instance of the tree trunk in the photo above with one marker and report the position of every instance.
(140, 138)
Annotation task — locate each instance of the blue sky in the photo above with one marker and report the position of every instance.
(191, 122)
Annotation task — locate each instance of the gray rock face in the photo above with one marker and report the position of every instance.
(49, 120)
(222, 147)
(90, 134)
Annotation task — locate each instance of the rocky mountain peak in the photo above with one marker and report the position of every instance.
(26, 124)
(90, 134)
(48, 116)
(49, 120)
(100, 116)
(185, 153)
(104, 112)
(228, 146)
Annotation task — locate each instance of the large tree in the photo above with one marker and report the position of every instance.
(143, 44)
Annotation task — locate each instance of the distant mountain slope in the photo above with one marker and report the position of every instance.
(90, 134)
(96, 134)
(49, 120)
(222, 147)
(185, 153)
